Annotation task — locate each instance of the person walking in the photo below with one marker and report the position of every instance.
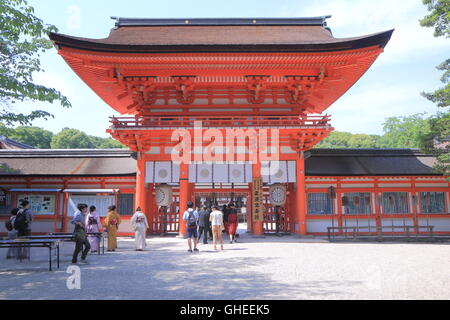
(191, 218)
(225, 212)
(232, 222)
(22, 224)
(93, 224)
(112, 222)
(140, 226)
(12, 253)
(79, 234)
(216, 219)
(203, 224)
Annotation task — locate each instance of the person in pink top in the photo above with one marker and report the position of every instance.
(93, 225)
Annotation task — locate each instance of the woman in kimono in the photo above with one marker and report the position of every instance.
(112, 222)
(93, 225)
(140, 226)
(12, 253)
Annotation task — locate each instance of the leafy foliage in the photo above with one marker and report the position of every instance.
(23, 38)
(437, 142)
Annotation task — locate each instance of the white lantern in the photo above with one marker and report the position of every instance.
(163, 195)
(277, 194)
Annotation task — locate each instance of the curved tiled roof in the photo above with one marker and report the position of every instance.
(221, 35)
(120, 162)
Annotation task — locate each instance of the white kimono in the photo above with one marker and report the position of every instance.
(140, 226)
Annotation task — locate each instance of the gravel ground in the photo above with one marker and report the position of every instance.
(263, 268)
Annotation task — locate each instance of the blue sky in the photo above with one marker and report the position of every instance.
(391, 87)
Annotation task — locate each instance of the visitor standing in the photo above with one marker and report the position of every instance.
(12, 253)
(93, 224)
(216, 218)
(79, 234)
(140, 226)
(191, 218)
(232, 222)
(203, 224)
(22, 224)
(112, 223)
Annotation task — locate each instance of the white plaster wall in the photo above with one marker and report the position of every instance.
(440, 224)
(319, 225)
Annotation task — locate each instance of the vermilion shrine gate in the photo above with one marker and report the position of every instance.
(278, 75)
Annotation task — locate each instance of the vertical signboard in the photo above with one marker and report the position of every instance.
(258, 203)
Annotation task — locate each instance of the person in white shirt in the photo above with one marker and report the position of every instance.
(140, 226)
(216, 218)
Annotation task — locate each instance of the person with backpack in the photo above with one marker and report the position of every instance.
(112, 222)
(93, 225)
(79, 234)
(12, 234)
(22, 224)
(191, 218)
(140, 226)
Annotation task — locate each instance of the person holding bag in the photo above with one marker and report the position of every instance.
(112, 222)
(79, 234)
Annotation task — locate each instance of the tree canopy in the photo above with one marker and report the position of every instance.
(437, 141)
(23, 38)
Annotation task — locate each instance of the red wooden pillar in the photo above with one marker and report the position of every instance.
(65, 219)
(184, 195)
(140, 199)
(300, 196)
(257, 225)
(377, 207)
(249, 208)
(339, 195)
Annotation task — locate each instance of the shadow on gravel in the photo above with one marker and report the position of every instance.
(162, 272)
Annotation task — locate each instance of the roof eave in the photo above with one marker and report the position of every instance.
(378, 39)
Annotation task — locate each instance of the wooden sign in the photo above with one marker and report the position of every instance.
(258, 200)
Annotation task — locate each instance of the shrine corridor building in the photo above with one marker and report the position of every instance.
(252, 95)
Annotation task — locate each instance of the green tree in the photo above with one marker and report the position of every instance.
(362, 141)
(109, 143)
(336, 139)
(72, 139)
(437, 142)
(404, 132)
(23, 37)
(33, 136)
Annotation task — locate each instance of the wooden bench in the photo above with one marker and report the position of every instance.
(379, 231)
(34, 243)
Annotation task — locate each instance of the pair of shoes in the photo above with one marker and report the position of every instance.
(231, 241)
(205, 242)
(189, 250)
(221, 247)
(196, 250)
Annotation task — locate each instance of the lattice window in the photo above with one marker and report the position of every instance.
(357, 203)
(432, 202)
(395, 202)
(319, 203)
(126, 203)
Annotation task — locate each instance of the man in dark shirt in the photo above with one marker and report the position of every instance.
(203, 224)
